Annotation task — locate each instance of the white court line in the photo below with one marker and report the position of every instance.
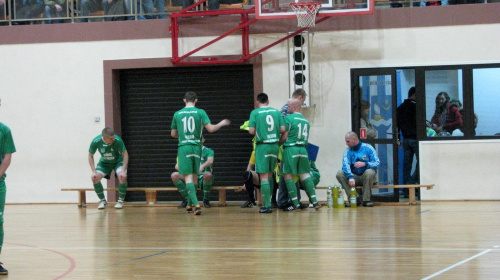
(248, 248)
(457, 264)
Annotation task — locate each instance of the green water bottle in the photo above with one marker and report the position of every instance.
(335, 196)
(352, 199)
(340, 199)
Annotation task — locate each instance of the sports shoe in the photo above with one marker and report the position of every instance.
(189, 209)
(290, 208)
(316, 205)
(206, 203)
(197, 211)
(249, 204)
(119, 204)
(3, 271)
(102, 205)
(266, 210)
(303, 206)
(183, 204)
(367, 204)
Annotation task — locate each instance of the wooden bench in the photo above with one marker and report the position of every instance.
(411, 192)
(151, 193)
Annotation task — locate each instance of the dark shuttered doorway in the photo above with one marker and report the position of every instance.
(150, 97)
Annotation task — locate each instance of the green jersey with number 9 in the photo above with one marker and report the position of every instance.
(189, 123)
(267, 122)
(298, 130)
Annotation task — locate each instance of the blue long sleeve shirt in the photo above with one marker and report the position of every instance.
(361, 152)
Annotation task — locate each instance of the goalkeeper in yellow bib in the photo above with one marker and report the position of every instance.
(187, 126)
(114, 156)
(266, 124)
(295, 157)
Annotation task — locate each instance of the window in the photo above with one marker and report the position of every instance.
(486, 90)
(444, 103)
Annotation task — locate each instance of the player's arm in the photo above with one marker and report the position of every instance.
(214, 127)
(6, 159)
(284, 136)
(251, 130)
(174, 133)
(208, 163)
(91, 162)
(125, 160)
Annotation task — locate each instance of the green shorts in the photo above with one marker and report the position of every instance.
(296, 160)
(189, 159)
(200, 181)
(266, 156)
(106, 168)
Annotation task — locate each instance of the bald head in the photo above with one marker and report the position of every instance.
(294, 105)
(351, 139)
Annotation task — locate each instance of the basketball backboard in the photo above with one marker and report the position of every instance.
(275, 9)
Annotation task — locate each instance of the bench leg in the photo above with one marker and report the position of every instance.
(82, 199)
(150, 197)
(222, 198)
(411, 196)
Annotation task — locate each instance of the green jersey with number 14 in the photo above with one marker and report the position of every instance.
(298, 130)
(267, 122)
(189, 122)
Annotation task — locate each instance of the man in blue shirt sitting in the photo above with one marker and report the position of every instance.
(359, 167)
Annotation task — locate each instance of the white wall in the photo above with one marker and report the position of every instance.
(51, 92)
(460, 170)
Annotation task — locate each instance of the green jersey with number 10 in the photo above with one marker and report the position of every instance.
(298, 130)
(189, 122)
(267, 122)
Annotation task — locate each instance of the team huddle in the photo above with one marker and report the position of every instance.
(194, 161)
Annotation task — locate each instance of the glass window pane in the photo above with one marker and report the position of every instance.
(486, 99)
(443, 102)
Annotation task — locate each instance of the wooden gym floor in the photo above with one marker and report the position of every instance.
(436, 240)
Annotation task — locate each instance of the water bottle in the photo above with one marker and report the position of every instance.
(335, 196)
(340, 199)
(352, 199)
(329, 199)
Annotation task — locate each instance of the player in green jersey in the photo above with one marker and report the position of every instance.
(187, 126)
(295, 157)
(114, 156)
(267, 125)
(7, 148)
(205, 178)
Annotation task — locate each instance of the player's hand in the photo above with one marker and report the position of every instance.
(352, 183)
(225, 122)
(359, 164)
(94, 176)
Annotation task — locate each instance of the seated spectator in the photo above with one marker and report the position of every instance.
(29, 9)
(90, 6)
(54, 8)
(116, 9)
(446, 117)
(371, 132)
(148, 9)
(212, 4)
(359, 167)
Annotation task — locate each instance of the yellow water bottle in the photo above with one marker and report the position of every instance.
(353, 197)
(340, 199)
(335, 196)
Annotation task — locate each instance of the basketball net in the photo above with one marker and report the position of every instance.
(306, 12)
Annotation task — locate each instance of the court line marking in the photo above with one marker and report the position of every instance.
(253, 248)
(133, 260)
(72, 261)
(457, 264)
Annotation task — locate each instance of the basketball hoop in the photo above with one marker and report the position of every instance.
(306, 12)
